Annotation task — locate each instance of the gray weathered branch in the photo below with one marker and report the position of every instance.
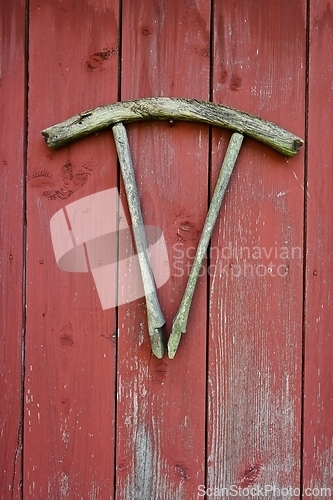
(164, 108)
(179, 324)
(154, 314)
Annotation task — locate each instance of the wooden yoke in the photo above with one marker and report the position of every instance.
(165, 108)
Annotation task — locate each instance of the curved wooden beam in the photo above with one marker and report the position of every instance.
(165, 108)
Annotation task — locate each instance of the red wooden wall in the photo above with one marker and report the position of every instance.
(12, 241)
(87, 411)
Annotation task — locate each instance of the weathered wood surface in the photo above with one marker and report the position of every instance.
(71, 342)
(255, 315)
(12, 167)
(166, 108)
(318, 364)
(102, 417)
(161, 403)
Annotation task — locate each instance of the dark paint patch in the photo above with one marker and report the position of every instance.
(66, 340)
(236, 82)
(97, 59)
(121, 467)
(187, 232)
(182, 471)
(71, 181)
(161, 371)
(251, 475)
(66, 336)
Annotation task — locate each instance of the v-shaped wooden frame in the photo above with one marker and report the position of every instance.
(165, 108)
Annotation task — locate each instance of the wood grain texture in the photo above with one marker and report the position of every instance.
(12, 167)
(318, 400)
(99, 415)
(255, 335)
(161, 432)
(70, 341)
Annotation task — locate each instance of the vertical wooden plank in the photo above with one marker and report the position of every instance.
(161, 403)
(255, 340)
(12, 147)
(70, 344)
(318, 400)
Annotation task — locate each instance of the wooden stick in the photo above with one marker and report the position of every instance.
(165, 108)
(180, 321)
(154, 313)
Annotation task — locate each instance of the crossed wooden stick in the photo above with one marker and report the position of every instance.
(164, 108)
